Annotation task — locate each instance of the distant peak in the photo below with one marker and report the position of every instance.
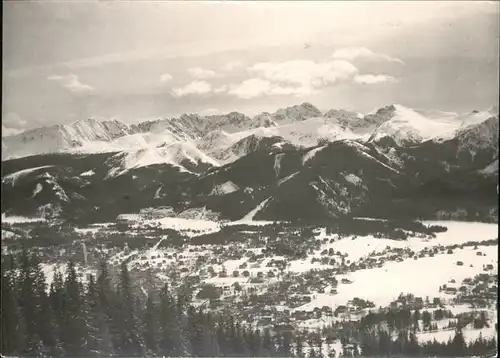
(307, 105)
(493, 110)
(86, 120)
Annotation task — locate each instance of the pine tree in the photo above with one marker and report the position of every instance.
(44, 327)
(210, 346)
(458, 345)
(56, 298)
(10, 314)
(238, 341)
(99, 339)
(384, 342)
(193, 331)
(416, 318)
(150, 326)
(299, 346)
(221, 337)
(312, 349)
(169, 329)
(74, 325)
(285, 345)
(108, 302)
(28, 303)
(413, 347)
(267, 343)
(130, 340)
(257, 343)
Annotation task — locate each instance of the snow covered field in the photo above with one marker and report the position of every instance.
(470, 334)
(49, 270)
(421, 277)
(19, 219)
(458, 233)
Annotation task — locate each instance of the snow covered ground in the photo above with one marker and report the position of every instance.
(190, 224)
(421, 277)
(458, 233)
(11, 178)
(252, 213)
(19, 219)
(470, 334)
(49, 271)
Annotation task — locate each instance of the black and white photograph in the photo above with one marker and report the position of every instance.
(303, 179)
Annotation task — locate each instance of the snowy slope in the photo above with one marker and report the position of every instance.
(302, 125)
(296, 113)
(479, 136)
(407, 126)
(11, 178)
(182, 155)
(61, 137)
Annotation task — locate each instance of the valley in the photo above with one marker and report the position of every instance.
(339, 233)
(281, 276)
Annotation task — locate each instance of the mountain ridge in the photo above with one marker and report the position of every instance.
(302, 124)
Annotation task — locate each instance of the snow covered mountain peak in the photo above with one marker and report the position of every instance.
(493, 110)
(59, 138)
(297, 113)
(263, 119)
(404, 126)
(182, 155)
(216, 135)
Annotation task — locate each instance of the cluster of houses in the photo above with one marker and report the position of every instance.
(480, 291)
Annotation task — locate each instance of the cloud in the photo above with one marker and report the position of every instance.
(72, 83)
(210, 112)
(305, 73)
(221, 89)
(12, 120)
(201, 73)
(257, 87)
(251, 88)
(352, 53)
(166, 77)
(373, 79)
(232, 65)
(289, 78)
(195, 87)
(12, 124)
(10, 131)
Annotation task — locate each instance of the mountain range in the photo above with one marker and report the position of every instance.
(294, 164)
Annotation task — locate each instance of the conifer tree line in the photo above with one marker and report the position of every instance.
(106, 317)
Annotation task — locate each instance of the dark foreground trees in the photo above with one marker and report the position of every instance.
(106, 316)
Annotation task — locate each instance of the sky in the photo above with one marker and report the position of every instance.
(65, 61)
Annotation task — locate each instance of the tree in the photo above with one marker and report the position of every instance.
(426, 319)
(27, 300)
(169, 325)
(99, 340)
(44, 327)
(150, 326)
(458, 345)
(416, 319)
(74, 331)
(299, 346)
(285, 344)
(130, 339)
(255, 343)
(267, 343)
(12, 338)
(209, 292)
(312, 349)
